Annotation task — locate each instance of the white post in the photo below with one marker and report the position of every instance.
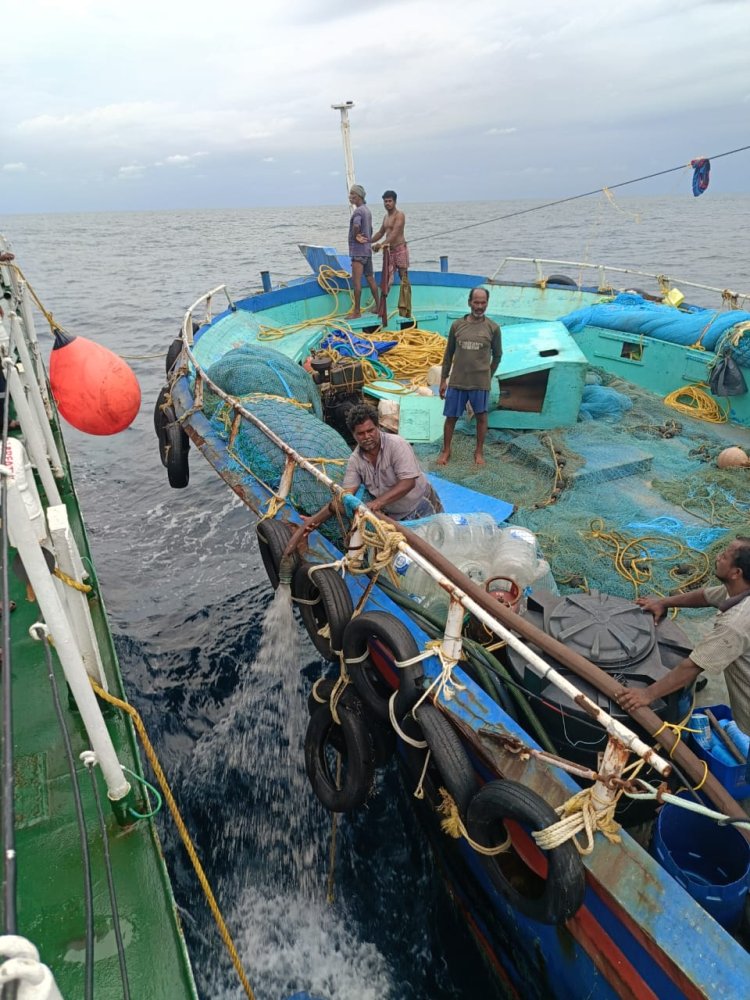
(347, 140)
(452, 643)
(68, 559)
(19, 343)
(23, 537)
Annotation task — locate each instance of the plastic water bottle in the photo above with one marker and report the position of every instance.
(741, 740)
(515, 556)
(413, 580)
(459, 534)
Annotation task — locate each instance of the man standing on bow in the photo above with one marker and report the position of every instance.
(471, 358)
(360, 250)
(395, 250)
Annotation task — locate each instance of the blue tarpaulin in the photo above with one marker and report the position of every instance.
(630, 313)
(356, 347)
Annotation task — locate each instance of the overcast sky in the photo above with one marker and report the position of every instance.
(165, 104)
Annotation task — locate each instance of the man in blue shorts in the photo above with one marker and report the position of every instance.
(472, 356)
(360, 250)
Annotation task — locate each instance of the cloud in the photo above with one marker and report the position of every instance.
(15, 168)
(132, 171)
(500, 131)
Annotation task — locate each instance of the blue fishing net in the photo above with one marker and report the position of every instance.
(259, 369)
(599, 402)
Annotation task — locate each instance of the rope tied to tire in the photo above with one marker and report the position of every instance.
(583, 813)
(444, 683)
(453, 825)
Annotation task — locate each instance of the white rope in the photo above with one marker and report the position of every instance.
(419, 744)
(650, 792)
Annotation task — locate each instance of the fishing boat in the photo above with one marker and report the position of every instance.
(88, 906)
(487, 644)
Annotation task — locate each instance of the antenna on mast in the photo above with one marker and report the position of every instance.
(347, 141)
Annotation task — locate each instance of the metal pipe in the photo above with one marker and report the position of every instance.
(346, 138)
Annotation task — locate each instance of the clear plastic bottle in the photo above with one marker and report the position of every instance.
(515, 555)
(457, 535)
(413, 580)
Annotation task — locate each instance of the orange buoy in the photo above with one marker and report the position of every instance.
(95, 390)
(733, 458)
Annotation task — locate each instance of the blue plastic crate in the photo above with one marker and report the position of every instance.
(733, 777)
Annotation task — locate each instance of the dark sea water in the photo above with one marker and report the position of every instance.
(187, 595)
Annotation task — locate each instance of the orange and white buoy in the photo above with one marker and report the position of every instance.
(95, 390)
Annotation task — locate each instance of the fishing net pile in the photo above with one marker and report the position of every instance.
(284, 397)
(656, 531)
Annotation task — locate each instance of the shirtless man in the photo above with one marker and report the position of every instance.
(397, 258)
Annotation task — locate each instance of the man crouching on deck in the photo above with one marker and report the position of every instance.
(388, 468)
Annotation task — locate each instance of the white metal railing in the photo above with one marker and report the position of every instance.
(34, 531)
(537, 664)
(541, 266)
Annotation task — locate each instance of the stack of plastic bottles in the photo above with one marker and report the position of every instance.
(478, 547)
(710, 741)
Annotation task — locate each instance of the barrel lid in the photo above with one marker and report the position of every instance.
(609, 630)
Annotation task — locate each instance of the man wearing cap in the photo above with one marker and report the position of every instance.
(360, 250)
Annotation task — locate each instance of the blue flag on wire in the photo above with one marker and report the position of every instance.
(701, 170)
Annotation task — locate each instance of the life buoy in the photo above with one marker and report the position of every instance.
(175, 350)
(383, 737)
(398, 644)
(448, 754)
(550, 900)
(273, 538)
(346, 787)
(325, 606)
(561, 279)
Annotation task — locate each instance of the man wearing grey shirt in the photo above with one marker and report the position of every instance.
(725, 649)
(385, 464)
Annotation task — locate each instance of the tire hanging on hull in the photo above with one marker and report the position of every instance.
(273, 538)
(325, 606)
(339, 757)
(552, 899)
(372, 688)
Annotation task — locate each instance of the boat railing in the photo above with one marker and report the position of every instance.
(460, 600)
(41, 534)
(542, 265)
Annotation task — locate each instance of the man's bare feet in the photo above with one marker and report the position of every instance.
(443, 458)
(354, 314)
(479, 458)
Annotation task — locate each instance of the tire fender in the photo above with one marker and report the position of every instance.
(330, 610)
(372, 688)
(273, 538)
(352, 740)
(565, 883)
(448, 754)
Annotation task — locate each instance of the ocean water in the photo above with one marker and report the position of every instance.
(205, 651)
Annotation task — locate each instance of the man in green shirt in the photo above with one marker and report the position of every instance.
(471, 358)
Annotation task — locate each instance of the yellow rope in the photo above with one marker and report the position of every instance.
(697, 403)
(69, 581)
(453, 825)
(182, 829)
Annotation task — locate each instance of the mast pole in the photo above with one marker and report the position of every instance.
(347, 141)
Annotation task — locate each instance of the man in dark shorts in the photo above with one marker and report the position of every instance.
(360, 250)
(471, 358)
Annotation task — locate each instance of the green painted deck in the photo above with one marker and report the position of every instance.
(50, 873)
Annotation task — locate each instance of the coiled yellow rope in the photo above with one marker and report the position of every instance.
(183, 831)
(697, 403)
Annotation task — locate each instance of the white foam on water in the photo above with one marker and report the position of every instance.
(289, 937)
(290, 943)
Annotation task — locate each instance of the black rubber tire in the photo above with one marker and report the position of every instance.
(383, 738)
(175, 350)
(273, 538)
(561, 279)
(448, 754)
(161, 400)
(334, 607)
(371, 687)
(563, 889)
(352, 740)
(176, 454)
